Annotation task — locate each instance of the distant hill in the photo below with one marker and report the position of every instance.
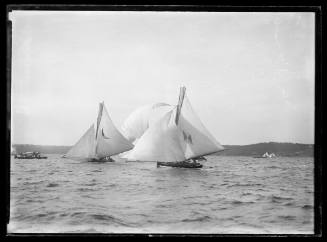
(279, 149)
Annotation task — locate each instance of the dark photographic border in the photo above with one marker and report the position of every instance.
(319, 89)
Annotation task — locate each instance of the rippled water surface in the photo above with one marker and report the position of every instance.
(228, 195)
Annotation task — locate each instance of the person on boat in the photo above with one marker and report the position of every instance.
(107, 158)
(194, 160)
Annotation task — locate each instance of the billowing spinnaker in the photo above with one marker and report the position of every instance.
(140, 120)
(160, 142)
(109, 140)
(84, 148)
(195, 138)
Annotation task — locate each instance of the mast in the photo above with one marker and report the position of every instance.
(180, 103)
(99, 118)
(97, 127)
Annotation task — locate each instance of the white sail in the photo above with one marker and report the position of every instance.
(84, 148)
(179, 135)
(139, 120)
(196, 139)
(105, 141)
(109, 141)
(160, 142)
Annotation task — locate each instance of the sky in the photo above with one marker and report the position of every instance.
(249, 76)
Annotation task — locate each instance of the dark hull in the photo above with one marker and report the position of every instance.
(101, 160)
(181, 164)
(31, 158)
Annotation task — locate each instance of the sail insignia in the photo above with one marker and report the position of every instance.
(184, 135)
(104, 136)
(190, 139)
(187, 138)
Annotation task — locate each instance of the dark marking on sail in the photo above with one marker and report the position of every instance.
(190, 139)
(185, 136)
(104, 136)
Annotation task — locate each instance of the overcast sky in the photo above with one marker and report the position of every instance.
(248, 76)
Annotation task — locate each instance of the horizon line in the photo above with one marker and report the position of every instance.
(222, 144)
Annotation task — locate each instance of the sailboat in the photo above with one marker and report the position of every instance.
(175, 139)
(265, 155)
(100, 142)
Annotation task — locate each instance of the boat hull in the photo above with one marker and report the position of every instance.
(31, 158)
(180, 164)
(101, 160)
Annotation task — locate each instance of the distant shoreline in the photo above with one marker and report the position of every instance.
(279, 149)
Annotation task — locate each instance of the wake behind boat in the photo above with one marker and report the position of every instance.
(100, 143)
(177, 139)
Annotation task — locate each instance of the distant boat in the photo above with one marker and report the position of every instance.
(266, 155)
(174, 139)
(101, 142)
(29, 155)
(13, 150)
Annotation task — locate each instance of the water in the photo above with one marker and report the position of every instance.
(228, 195)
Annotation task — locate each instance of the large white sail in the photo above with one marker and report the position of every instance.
(160, 142)
(84, 148)
(196, 139)
(179, 135)
(139, 120)
(109, 141)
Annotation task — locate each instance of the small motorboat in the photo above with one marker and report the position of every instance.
(30, 155)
